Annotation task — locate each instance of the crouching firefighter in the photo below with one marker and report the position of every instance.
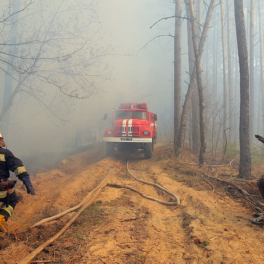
(8, 162)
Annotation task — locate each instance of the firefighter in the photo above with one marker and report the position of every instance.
(259, 218)
(8, 162)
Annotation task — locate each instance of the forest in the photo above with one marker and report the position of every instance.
(223, 106)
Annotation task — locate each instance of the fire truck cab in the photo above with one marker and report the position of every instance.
(133, 127)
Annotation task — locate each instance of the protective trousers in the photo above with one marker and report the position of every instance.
(261, 186)
(7, 210)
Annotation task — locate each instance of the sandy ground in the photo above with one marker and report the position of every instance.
(125, 227)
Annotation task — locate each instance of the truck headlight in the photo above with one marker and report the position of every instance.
(146, 132)
(109, 132)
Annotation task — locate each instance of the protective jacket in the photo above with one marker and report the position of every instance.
(8, 162)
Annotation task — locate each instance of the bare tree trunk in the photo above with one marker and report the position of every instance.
(230, 75)
(11, 58)
(191, 87)
(245, 158)
(248, 25)
(198, 63)
(261, 88)
(236, 130)
(191, 59)
(224, 72)
(215, 63)
(251, 77)
(195, 98)
(177, 69)
(214, 92)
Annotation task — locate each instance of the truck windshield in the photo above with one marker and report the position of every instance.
(122, 115)
(131, 114)
(139, 115)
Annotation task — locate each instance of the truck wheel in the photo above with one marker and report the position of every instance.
(110, 149)
(148, 151)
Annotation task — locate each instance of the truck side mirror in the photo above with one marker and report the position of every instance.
(105, 116)
(155, 117)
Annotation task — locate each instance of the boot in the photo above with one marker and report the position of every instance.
(258, 219)
(2, 221)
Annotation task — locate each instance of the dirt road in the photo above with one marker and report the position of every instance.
(123, 227)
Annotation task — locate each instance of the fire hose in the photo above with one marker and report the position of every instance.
(87, 201)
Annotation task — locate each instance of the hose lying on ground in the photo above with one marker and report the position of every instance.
(116, 186)
(88, 201)
(94, 195)
(71, 209)
(149, 183)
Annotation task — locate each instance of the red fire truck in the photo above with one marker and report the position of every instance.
(133, 127)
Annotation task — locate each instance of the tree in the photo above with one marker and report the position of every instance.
(261, 84)
(58, 52)
(195, 96)
(177, 69)
(224, 72)
(198, 63)
(230, 74)
(191, 86)
(245, 158)
(251, 77)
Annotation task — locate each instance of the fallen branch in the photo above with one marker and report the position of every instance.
(241, 190)
(71, 260)
(206, 165)
(208, 183)
(42, 261)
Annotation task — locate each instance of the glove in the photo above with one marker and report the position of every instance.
(28, 184)
(2, 221)
(261, 139)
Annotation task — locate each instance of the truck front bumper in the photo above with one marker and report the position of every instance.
(127, 139)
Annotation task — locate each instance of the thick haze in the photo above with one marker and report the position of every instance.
(136, 75)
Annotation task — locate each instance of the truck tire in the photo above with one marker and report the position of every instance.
(110, 148)
(148, 150)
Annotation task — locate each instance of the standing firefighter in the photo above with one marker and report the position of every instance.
(259, 218)
(8, 162)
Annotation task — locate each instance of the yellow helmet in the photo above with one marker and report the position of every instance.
(1, 135)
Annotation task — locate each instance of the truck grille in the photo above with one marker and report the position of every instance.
(133, 129)
(120, 129)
